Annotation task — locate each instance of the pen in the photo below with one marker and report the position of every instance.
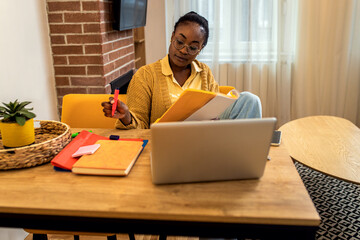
(116, 95)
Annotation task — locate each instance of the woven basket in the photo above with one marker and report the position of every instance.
(50, 138)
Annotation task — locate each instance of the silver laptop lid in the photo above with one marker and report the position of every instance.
(210, 150)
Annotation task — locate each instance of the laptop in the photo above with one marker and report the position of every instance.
(214, 150)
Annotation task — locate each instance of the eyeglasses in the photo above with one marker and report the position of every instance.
(192, 49)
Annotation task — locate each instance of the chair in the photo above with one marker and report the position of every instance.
(85, 110)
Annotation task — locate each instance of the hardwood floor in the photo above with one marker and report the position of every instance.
(119, 237)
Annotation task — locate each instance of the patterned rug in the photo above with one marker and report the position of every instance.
(337, 202)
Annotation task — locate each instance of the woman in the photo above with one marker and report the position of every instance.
(155, 87)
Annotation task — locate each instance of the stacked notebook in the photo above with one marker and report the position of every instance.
(112, 157)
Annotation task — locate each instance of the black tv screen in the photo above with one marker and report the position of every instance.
(129, 14)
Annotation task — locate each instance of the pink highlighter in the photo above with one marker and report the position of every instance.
(116, 96)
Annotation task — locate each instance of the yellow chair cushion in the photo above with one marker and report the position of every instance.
(85, 110)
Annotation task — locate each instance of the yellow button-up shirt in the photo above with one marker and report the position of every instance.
(194, 80)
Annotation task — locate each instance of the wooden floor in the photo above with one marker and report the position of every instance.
(119, 237)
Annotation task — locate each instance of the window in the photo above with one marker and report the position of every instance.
(240, 30)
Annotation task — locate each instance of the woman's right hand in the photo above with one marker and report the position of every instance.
(122, 111)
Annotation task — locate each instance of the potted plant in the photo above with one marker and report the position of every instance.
(17, 124)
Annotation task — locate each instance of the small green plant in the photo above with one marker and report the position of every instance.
(16, 112)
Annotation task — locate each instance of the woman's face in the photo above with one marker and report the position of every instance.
(192, 35)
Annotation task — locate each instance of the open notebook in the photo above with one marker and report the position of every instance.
(210, 150)
(194, 104)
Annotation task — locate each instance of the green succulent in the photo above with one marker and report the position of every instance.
(16, 112)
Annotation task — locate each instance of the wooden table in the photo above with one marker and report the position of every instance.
(328, 144)
(277, 204)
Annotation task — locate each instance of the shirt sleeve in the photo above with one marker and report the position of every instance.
(139, 95)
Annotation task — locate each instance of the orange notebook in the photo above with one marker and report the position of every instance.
(115, 158)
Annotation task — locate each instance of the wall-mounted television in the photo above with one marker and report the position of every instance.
(129, 14)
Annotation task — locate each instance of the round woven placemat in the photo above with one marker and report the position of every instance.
(50, 138)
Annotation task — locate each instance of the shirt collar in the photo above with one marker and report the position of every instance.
(166, 70)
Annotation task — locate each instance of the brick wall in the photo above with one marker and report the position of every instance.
(87, 53)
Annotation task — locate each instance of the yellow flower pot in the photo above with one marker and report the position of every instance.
(14, 135)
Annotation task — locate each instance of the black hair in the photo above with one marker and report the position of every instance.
(194, 17)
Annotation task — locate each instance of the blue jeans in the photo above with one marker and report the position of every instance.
(247, 105)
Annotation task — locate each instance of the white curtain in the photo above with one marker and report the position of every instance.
(300, 57)
(327, 64)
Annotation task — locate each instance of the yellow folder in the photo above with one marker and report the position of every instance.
(196, 104)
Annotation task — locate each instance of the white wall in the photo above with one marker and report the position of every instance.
(12, 234)
(26, 71)
(155, 34)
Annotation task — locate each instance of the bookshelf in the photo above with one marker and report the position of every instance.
(139, 43)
